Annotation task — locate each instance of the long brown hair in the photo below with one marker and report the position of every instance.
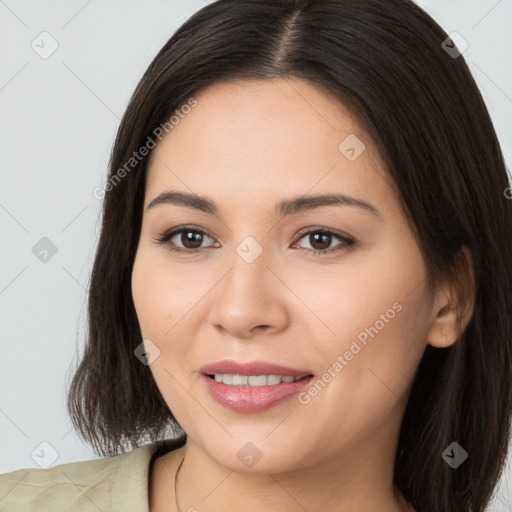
(419, 104)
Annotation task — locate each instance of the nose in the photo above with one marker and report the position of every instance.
(250, 299)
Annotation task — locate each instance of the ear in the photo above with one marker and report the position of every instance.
(453, 303)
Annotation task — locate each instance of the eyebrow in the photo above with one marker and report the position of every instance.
(282, 209)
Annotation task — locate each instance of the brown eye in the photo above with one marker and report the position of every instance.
(320, 241)
(185, 239)
(190, 239)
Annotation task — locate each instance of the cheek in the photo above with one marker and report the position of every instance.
(156, 295)
(375, 317)
(159, 309)
(371, 295)
(165, 302)
(370, 361)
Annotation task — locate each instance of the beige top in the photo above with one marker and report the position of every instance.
(112, 484)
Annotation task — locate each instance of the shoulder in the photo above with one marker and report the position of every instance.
(109, 484)
(82, 483)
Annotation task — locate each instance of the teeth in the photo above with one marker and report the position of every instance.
(273, 379)
(257, 380)
(253, 380)
(239, 380)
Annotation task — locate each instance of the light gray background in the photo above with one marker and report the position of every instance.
(58, 119)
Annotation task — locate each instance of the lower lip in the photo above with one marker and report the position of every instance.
(253, 399)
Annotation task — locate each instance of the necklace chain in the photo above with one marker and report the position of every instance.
(176, 484)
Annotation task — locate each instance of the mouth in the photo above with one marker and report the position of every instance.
(254, 386)
(236, 373)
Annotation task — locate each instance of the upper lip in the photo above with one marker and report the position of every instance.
(251, 368)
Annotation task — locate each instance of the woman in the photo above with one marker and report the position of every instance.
(303, 271)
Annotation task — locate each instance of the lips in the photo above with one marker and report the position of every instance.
(230, 366)
(248, 399)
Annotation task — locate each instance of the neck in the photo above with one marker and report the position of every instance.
(339, 483)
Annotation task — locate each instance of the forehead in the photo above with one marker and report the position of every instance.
(262, 138)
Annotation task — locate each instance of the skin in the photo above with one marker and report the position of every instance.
(247, 146)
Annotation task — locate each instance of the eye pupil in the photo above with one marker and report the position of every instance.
(191, 236)
(323, 245)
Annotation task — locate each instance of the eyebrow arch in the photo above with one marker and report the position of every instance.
(284, 208)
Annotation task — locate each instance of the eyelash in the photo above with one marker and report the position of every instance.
(164, 237)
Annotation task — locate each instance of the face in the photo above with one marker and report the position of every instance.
(336, 290)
